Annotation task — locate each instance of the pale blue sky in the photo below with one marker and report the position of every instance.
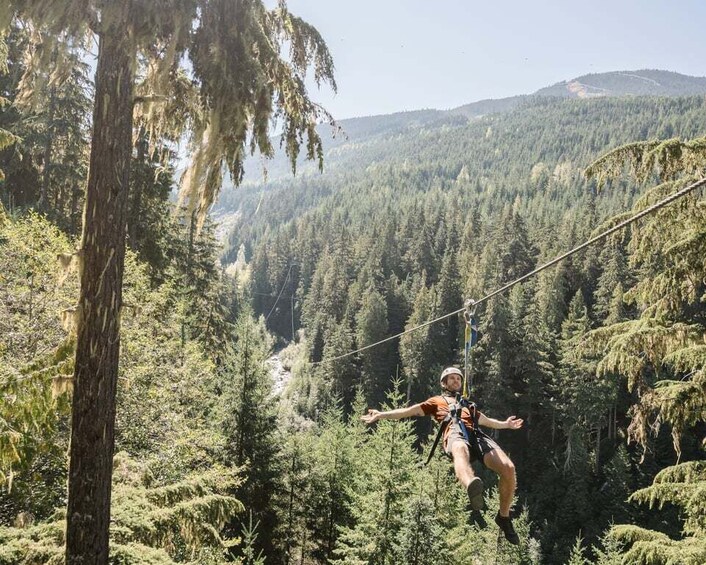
(393, 55)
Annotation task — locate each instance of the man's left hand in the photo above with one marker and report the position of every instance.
(514, 423)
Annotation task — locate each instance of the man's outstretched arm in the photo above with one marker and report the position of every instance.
(512, 423)
(397, 414)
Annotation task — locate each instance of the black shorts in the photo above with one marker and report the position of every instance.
(480, 443)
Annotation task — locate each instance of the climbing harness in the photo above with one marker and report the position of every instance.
(453, 417)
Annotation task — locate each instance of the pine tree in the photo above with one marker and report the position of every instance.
(149, 225)
(682, 485)
(660, 353)
(36, 361)
(296, 486)
(577, 554)
(202, 305)
(614, 275)
(225, 115)
(420, 540)
(415, 347)
(154, 523)
(379, 494)
(249, 422)
(50, 125)
(372, 326)
(341, 376)
(336, 462)
(445, 337)
(585, 395)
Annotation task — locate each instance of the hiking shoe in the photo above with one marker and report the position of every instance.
(505, 524)
(475, 493)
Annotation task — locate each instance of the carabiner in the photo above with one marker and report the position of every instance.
(470, 306)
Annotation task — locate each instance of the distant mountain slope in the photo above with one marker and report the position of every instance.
(490, 106)
(628, 83)
(496, 154)
(358, 135)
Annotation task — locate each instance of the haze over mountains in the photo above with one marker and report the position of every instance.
(362, 130)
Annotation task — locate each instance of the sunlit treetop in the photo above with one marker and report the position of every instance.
(225, 73)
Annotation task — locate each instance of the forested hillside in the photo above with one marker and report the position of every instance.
(602, 356)
(354, 132)
(402, 228)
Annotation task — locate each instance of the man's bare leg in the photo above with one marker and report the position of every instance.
(498, 461)
(462, 463)
(465, 475)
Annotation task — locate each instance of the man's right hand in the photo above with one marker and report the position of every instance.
(372, 416)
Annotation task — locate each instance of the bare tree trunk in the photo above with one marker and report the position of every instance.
(43, 203)
(598, 448)
(98, 341)
(137, 186)
(73, 209)
(290, 514)
(610, 424)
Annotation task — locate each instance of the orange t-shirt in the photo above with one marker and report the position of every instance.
(438, 408)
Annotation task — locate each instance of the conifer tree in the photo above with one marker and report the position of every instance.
(296, 486)
(249, 422)
(536, 365)
(585, 395)
(225, 115)
(336, 462)
(151, 523)
(151, 230)
(35, 365)
(415, 347)
(660, 353)
(492, 358)
(380, 493)
(202, 306)
(372, 326)
(47, 167)
(666, 331)
(609, 552)
(420, 540)
(445, 336)
(421, 254)
(614, 275)
(340, 376)
(577, 554)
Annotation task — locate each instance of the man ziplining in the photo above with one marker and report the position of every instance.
(464, 442)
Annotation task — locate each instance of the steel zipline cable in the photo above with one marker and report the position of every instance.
(668, 200)
(281, 290)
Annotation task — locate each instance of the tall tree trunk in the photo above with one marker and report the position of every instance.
(290, 514)
(73, 209)
(98, 344)
(245, 397)
(137, 186)
(610, 423)
(43, 203)
(598, 449)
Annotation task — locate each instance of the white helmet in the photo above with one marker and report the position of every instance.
(448, 371)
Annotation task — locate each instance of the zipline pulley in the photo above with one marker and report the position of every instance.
(471, 337)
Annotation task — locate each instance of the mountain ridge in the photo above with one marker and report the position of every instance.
(366, 129)
(643, 82)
